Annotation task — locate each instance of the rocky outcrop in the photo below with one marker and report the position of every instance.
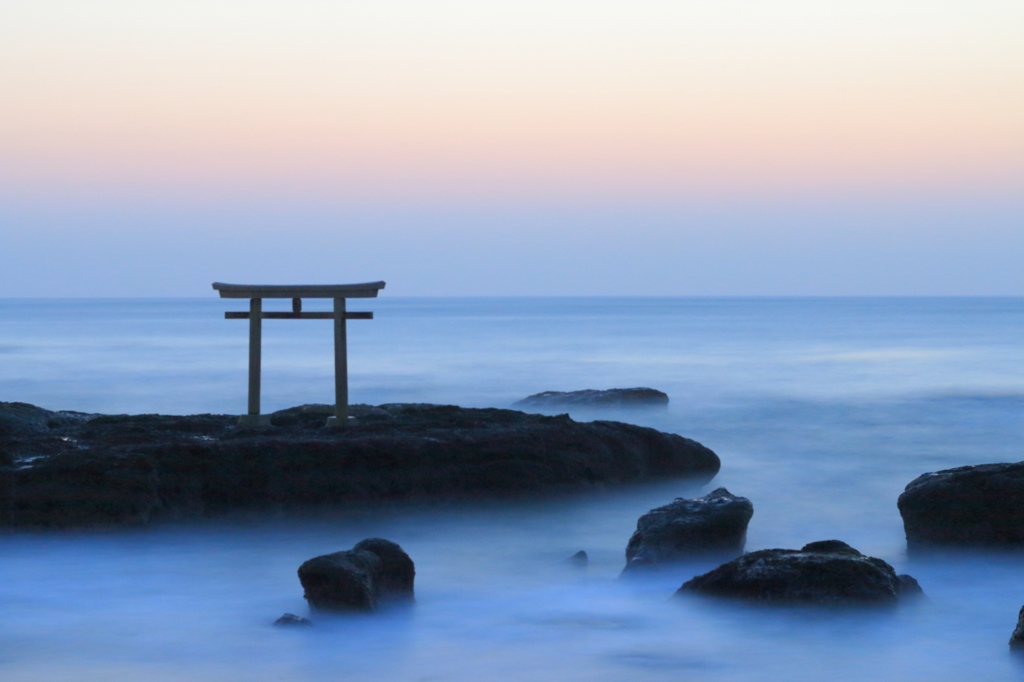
(22, 419)
(971, 505)
(612, 397)
(290, 619)
(715, 523)
(374, 571)
(71, 469)
(826, 573)
(1017, 638)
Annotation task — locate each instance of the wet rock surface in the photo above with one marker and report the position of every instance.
(73, 469)
(612, 397)
(290, 619)
(715, 523)
(979, 505)
(825, 573)
(374, 571)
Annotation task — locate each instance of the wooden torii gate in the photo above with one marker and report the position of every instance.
(257, 292)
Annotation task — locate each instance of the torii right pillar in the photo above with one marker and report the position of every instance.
(340, 365)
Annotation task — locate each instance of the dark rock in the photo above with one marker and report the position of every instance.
(909, 587)
(397, 572)
(715, 523)
(339, 581)
(374, 570)
(612, 397)
(22, 419)
(1017, 638)
(292, 619)
(19, 419)
(971, 505)
(826, 573)
(134, 469)
(580, 558)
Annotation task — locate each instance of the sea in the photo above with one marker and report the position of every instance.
(821, 409)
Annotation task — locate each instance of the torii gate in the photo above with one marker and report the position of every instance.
(257, 292)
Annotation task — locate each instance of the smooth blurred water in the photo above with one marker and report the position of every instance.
(821, 410)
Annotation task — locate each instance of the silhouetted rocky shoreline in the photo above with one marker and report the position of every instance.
(65, 469)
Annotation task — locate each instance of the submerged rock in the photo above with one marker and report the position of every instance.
(580, 558)
(290, 619)
(971, 505)
(66, 469)
(1017, 638)
(825, 573)
(612, 397)
(715, 523)
(374, 570)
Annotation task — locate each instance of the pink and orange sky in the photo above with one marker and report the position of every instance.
(490, 126)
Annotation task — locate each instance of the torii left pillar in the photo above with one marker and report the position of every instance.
(338, 292)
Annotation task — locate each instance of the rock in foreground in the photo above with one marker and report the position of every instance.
(826, 573)
(373, 571)
(715, 523)
(971, 505)
(612, 397)
(72, 469)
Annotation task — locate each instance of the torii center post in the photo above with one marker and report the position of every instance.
(257, 292)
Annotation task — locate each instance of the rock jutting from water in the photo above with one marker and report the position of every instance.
(1017, 638)
(971, 505)
(374, 571)
(715, 523)
(290, 619)
(72, 469)
(612, 397)
(825, 573)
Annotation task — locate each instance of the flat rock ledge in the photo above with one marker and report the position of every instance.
(62, 469)
(980, 505)
(713, 524)
(373, 572)
(612, 397)
(824, 573)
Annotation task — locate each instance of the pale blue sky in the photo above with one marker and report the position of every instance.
(881, 247)
(725, 147)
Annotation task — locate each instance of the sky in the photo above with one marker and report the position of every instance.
(725, 147)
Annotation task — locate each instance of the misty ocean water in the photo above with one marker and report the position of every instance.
(821, 410)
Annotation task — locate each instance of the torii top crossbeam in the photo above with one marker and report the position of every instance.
(366, 290)
(257, 292)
